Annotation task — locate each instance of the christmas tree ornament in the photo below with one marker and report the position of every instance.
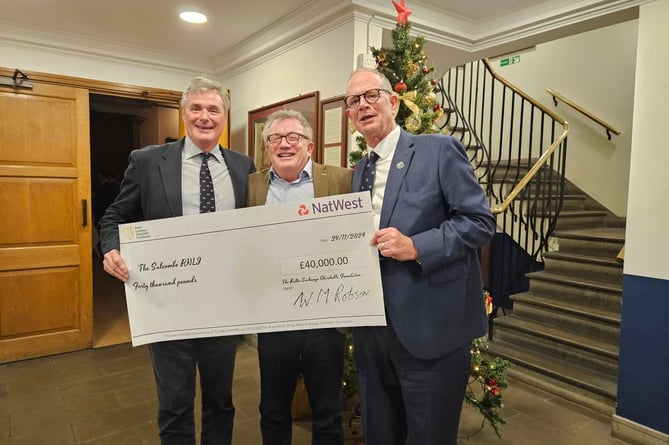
(413, 123)
(412, 69)
(400, 87)
(402, 12)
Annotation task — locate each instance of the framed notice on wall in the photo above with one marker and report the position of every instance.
(307, 104)
(333, 130)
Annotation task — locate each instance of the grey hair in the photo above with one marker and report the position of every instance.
(385, 83)
(286, 113)
(202, 85)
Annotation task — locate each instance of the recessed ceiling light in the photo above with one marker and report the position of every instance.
(193, 17)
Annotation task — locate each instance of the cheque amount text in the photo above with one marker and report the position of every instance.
(346, 236)
(324, 262)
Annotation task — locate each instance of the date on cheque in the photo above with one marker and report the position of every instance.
(324, 262)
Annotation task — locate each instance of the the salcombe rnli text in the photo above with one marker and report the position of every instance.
(183, 274)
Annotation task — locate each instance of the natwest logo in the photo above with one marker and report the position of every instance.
(336, 204)
(302, 210)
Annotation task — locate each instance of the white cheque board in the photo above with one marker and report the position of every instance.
(289, 266)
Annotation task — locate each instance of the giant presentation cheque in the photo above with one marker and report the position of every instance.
(290, 266)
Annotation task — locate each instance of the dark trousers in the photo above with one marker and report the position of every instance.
(174, 368)
(406, 400)
(318, 355)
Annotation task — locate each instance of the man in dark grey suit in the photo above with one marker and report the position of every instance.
(432, 217)
(163, 181)
(317, 354)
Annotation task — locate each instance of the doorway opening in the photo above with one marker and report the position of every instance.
(117, 126)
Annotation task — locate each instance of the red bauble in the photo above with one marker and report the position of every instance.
(426, 70)
(400, 87)
(437, 107)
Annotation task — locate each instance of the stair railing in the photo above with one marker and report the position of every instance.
(517, 146)
(518, 149)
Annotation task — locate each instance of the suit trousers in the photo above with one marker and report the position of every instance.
(318, 355)
(406, 400)
(174, 368)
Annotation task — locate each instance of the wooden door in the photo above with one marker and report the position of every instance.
(45, 230)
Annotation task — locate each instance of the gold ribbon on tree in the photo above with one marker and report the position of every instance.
(409, 99)
(413, 122)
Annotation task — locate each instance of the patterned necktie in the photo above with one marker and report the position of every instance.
(207, 199)
(368, 173)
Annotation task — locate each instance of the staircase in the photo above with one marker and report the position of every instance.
(562, 335)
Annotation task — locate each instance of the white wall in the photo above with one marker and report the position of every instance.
(322, 64)
(48, 60)
(647, 247)
(596, 70)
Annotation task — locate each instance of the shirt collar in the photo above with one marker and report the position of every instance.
(387, 145)
(191, 150)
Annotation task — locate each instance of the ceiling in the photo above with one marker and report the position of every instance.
(240, 28)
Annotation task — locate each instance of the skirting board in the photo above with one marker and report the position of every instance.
(636, 433)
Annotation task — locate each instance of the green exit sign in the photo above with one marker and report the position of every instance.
(509, 61)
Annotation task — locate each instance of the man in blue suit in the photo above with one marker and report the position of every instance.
(432, 216)
(164, 181)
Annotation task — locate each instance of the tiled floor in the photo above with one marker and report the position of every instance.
(106, 396)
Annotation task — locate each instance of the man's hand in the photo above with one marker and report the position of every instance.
(115, 266)
(393, 244)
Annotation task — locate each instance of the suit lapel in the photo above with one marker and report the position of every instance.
(398, 169)
(170, 174)
(357, 174)
(238, 182)
(321, 180)
(261, 192)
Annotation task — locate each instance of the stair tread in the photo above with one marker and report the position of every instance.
(575, 281)
(547, 196)
(568, 306)
(580, 258)
(578, 213)
(581, 376)
(614, 234)
(583, 342)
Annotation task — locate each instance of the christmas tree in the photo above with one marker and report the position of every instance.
(406, 67)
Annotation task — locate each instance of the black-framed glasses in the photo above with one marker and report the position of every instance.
(371, 97)
(291, 138)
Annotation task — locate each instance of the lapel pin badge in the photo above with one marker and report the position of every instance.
(400, 165)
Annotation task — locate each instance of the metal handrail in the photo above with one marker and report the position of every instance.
(517, 147)
(608, 127)
(544, 158)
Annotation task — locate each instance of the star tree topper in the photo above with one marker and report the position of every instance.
(403, 12)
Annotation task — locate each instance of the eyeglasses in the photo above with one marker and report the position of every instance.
(371, 97)
(292, 138)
